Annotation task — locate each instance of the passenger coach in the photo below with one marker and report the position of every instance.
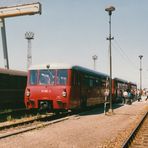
(12, 88)
(133, 88)
(58, 86)
(118, 87)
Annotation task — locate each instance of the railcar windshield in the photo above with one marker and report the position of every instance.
(33, 77)
(48, 77)
(62, 77)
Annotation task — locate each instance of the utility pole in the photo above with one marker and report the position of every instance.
(29, 36)
(110, 9)
(140, 56)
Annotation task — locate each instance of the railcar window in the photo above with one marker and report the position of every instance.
(91, 84)
(33, 77)
(4, 81)
(96, 82)
(62, 76)
(47, 77)
(76, 79)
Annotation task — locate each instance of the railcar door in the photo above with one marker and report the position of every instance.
(61, 89)
(75, 90)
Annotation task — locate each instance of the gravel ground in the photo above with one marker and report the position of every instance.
(90, 130)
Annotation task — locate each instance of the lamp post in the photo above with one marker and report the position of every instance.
(110, 9)
(94, 57)
(29, 36)
(140, 56)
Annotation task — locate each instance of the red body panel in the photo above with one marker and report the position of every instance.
(52, 93)
(48, 93)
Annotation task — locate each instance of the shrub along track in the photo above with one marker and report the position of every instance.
(11, 114)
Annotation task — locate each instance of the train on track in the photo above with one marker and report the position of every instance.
(12, 88)
(62, 86)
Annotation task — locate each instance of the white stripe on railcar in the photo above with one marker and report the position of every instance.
(51, 66)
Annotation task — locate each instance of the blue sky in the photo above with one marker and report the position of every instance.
(72, 31)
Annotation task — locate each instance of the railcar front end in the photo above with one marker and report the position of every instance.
(48, 89)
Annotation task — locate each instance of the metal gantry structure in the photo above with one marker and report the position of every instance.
(13, 11)
(110, 9)
(4, 43)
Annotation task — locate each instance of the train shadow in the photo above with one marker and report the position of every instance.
(99, 109)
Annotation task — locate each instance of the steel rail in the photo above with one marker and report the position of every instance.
(128, 141)
(5, 135)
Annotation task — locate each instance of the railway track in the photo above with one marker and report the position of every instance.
(23, 121)
(37, 121)
(139, 136)
(23, 125)
(29, 125)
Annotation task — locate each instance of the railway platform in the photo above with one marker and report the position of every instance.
(91, 129)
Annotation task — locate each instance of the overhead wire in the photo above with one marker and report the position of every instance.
(124, 55)
(127, 57)
(130, 61)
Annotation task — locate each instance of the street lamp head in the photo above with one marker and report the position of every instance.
(95, 57)
(110, 9)
(29, 35)
(140, 56)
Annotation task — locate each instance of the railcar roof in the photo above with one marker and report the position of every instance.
(132, 83)
(12, 72)
(89, 71)
(67, 66)
(121, 80)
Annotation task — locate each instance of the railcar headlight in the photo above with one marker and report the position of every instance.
(64, 93)
(28, 92)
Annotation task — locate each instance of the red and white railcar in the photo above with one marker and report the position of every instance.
(59, 86)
